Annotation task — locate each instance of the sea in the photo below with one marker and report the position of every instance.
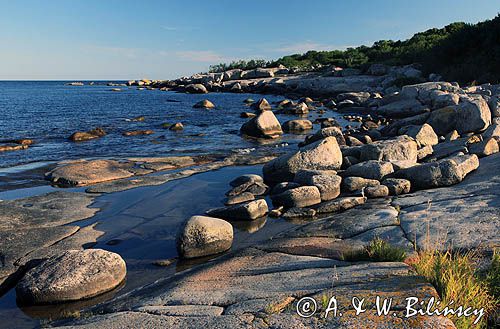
(50, 111)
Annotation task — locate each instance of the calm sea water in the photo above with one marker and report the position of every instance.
(50, 111)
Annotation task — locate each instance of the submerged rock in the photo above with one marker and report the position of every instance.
(177, 126)
(299, 125)
(204, 104)
(138, 133)
(80, 136)
(72, 275)
(9, 147)
(204, 236)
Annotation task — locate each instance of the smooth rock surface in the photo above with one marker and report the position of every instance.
(73, 275)
(203, 236)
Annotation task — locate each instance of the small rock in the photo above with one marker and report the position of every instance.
(298, 197)
(5, 148)
(242, 211)
(324, 133)
(352, 184)
(276, 212)
(247, 115)
(261, 105)
(88, 135)
(282, 187)
(245, 179)
(138, 132)
(397, 186)
(486, 147)
(139, 118)
(204, 104)
(304, 177)
(177, 126)
(203, 236)
(164, 262)
(380, 191)
(424, 134)
(299, 213)
(424, 152)
(197, 88)
(370, 169)
(299, 125)
(452, 135)
(243, 197)
(339, 204)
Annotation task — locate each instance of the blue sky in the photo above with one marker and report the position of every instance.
(125, 39)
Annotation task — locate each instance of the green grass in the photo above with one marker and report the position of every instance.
(455, 278)
(379, 250)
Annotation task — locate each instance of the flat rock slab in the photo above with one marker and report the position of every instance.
(51, 209)
(16, 244)
(129, 319)
(89, 172)
(133, 182)
(350, 223)
(321, 246)
(463, 216)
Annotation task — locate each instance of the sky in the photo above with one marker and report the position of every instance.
(130, 39)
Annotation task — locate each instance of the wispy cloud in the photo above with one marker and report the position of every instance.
(205, 56)
(169, 28)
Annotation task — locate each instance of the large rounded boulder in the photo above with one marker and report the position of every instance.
(72, 275)
(264, 125)
(321, 155)
(204, 236)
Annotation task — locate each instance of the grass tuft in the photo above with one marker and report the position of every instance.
(455, 278)
(379, 250)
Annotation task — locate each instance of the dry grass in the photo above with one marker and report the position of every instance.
(455, 278)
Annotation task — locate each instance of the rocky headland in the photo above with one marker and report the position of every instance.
(417, 169)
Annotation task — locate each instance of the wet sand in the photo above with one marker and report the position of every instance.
(141, 225)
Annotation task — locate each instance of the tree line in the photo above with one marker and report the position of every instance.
(459, 52)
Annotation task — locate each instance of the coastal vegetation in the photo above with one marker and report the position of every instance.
(456, 278)
(463, 52)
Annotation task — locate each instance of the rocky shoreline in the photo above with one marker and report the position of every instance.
(417, 169)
